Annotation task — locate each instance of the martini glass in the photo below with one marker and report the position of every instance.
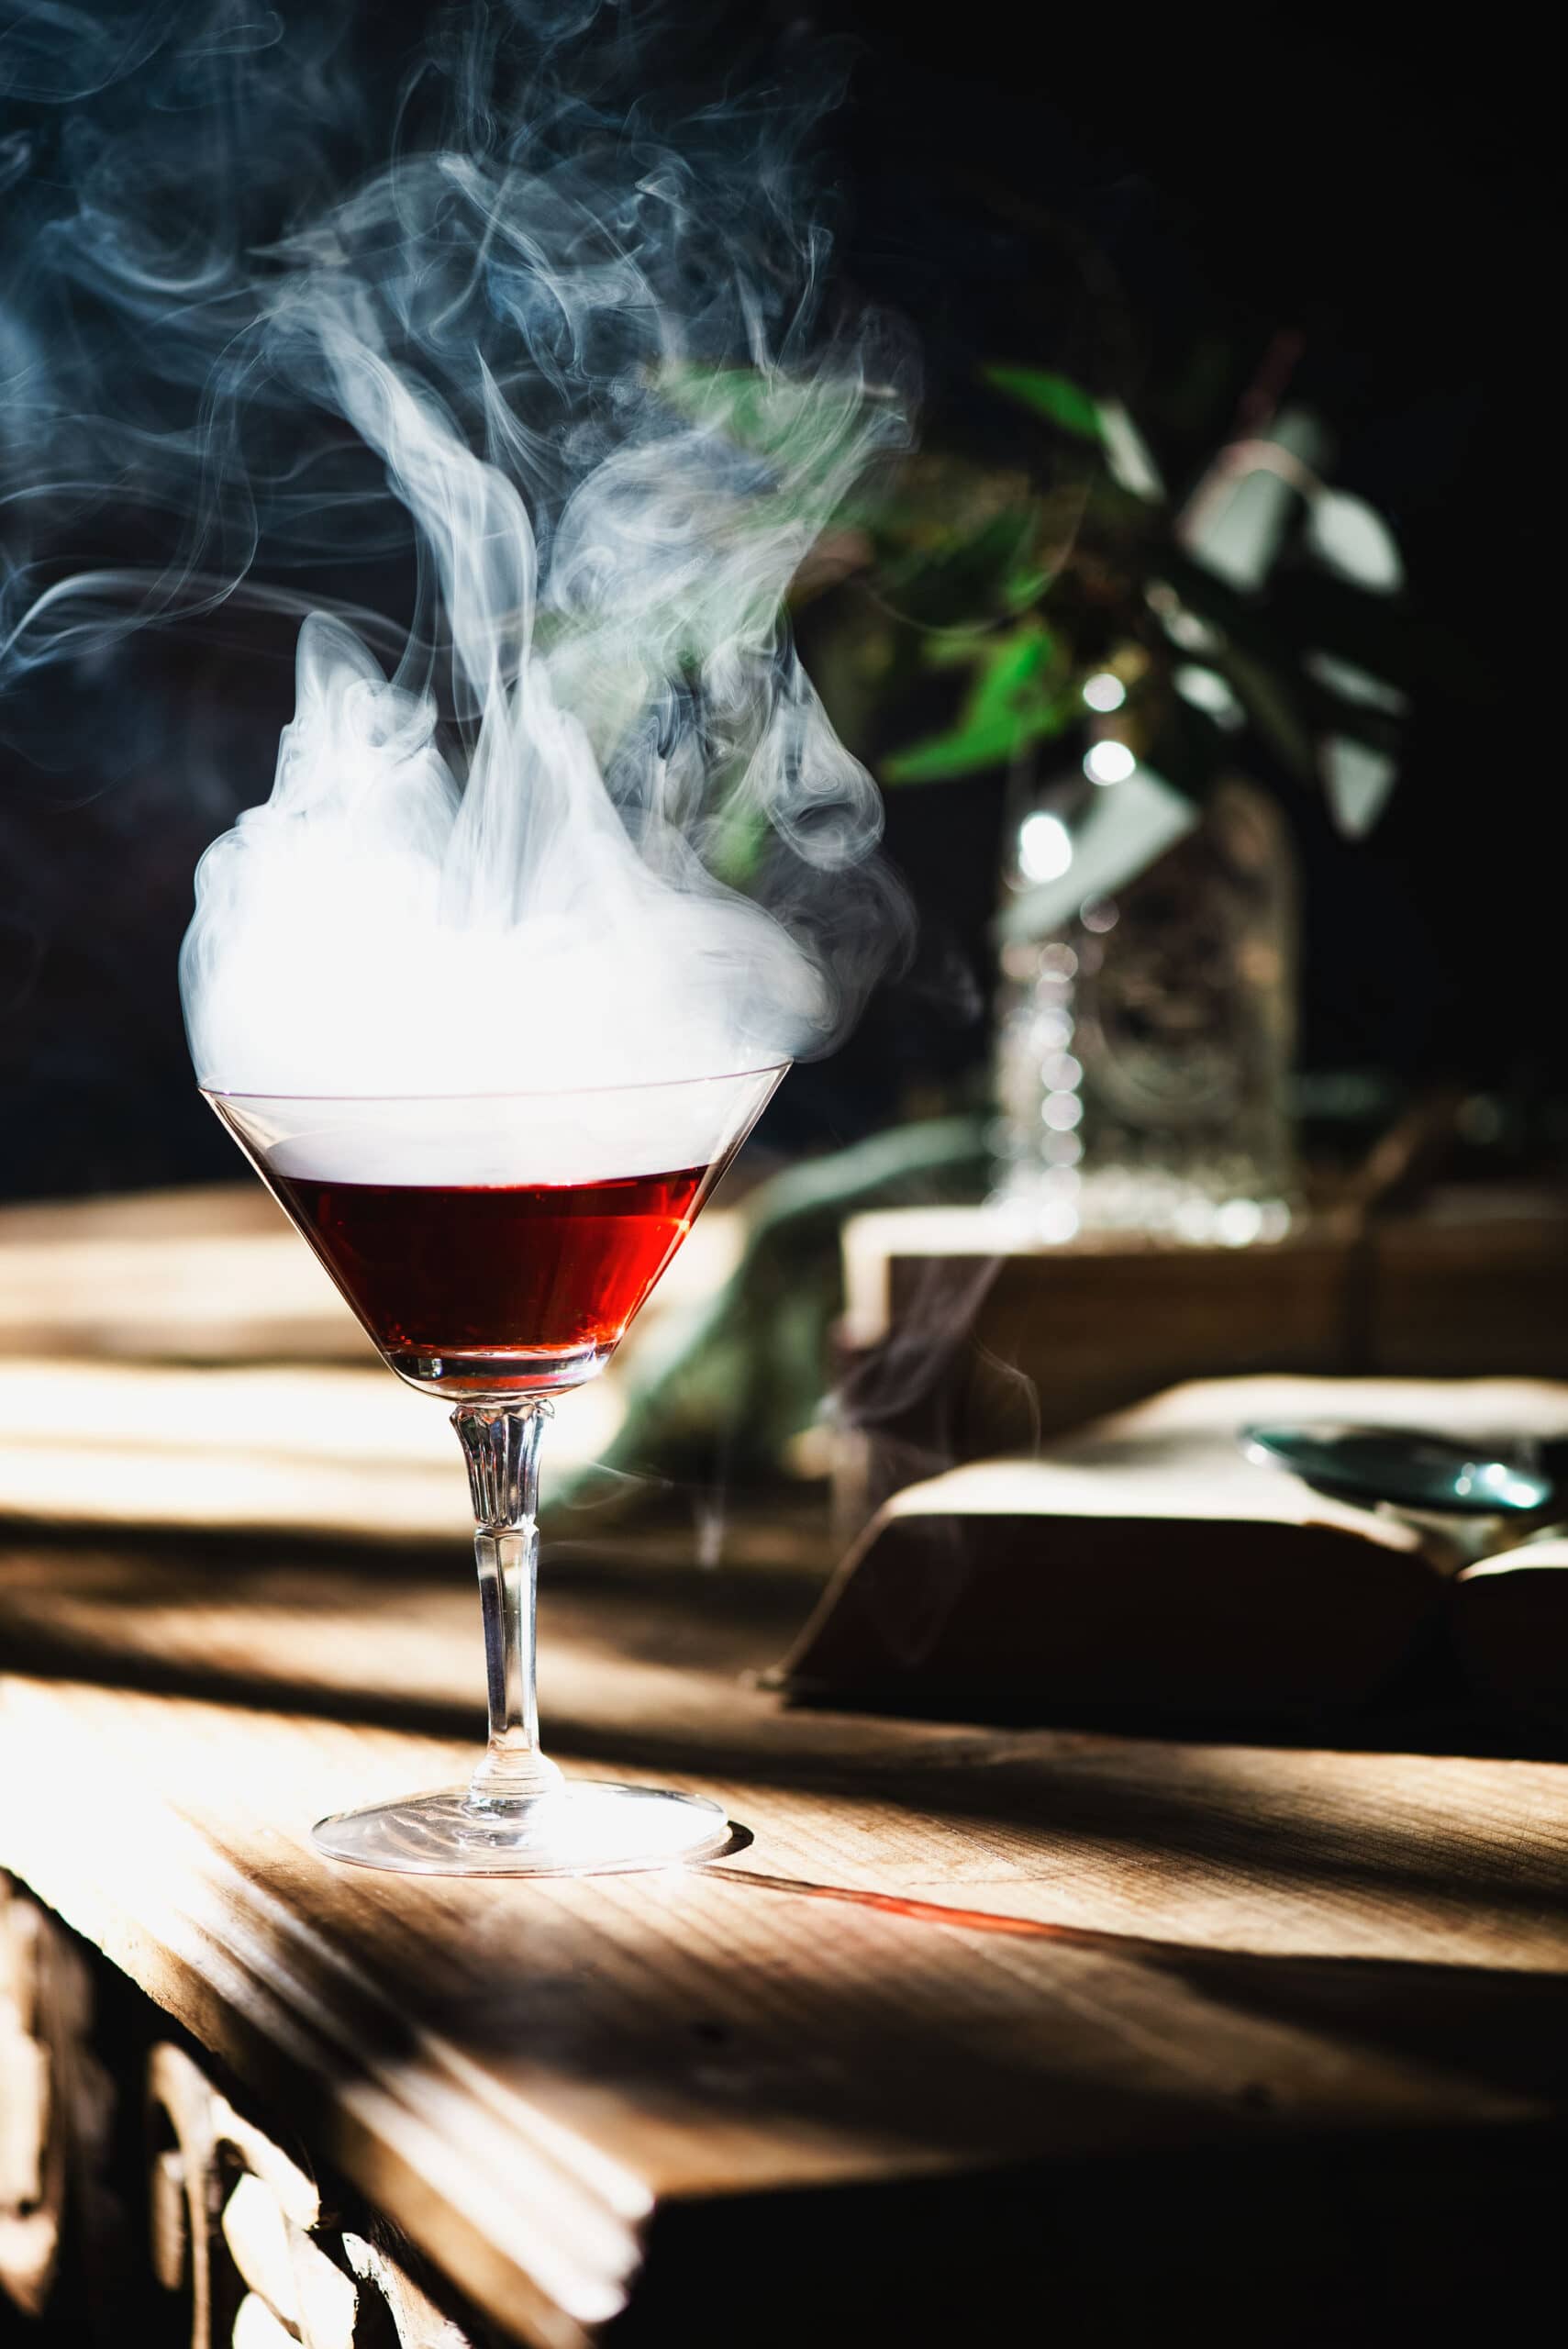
(495, 1248)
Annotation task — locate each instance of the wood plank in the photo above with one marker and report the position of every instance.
(1135, 1944)
(1450, 1295)
(218, 1275)
(1092, 1326)
(947, 1957)
(209, 1275)
(325, 1449)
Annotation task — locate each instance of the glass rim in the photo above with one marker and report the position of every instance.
(512, 1092)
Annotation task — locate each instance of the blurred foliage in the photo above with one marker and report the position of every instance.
(1249, 616)
(1019, 691)
(1255, 602)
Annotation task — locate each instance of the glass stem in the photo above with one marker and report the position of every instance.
(500, 1442)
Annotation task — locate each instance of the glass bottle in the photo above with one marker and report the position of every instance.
(1144, 1047)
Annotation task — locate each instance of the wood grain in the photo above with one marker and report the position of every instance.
(56, 2105)
(1262, 1944)
(947, 1973)
(240, 2232)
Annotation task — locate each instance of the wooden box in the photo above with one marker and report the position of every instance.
(958, 1342)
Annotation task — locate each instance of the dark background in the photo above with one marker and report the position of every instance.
(1384, 197)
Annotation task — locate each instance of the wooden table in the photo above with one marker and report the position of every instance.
(965, 2018)
(973, 2035)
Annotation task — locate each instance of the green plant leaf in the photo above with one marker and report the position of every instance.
(811, 434)
(969, 750)
(1105, 423)
(1056, 397)
(1236, 522)
(1357, 781)
(1353, 683)
(1014, 701)
(1259, 658)
(1355, 541)
(1270, 702)
(1128, 459)
(733, 850)
(1127, 826)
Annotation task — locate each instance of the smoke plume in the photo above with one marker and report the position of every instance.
(576, 817)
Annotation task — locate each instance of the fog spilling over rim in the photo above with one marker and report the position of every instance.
(591, 829)
(594, 1135)
(769, 1069)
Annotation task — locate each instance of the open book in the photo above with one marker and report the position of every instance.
(1143, 1566)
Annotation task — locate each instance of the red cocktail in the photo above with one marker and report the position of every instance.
(496, 1249)
(499, 1288)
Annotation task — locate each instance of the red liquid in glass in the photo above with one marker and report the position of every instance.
(496, 1290)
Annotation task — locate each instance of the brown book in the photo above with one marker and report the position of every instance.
(1145, 1566)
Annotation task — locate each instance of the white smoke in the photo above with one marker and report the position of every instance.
(519, 892)
(578, 818)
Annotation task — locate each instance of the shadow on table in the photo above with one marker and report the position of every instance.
(307, 1633)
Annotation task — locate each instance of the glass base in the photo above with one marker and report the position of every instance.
(588, 1828)
(501, 1375)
